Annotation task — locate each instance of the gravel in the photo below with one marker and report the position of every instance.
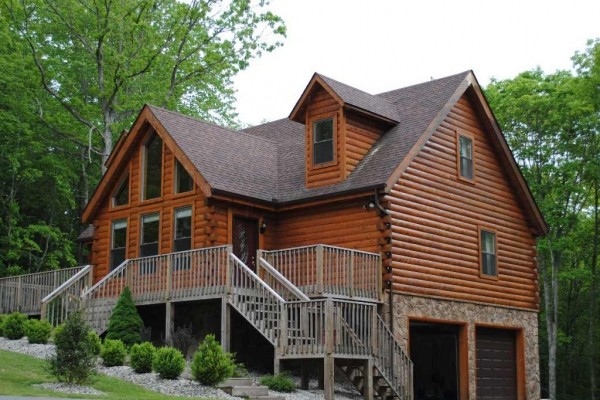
(177, 387)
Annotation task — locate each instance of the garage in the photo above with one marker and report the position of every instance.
(496, 364)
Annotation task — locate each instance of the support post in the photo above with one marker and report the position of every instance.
(225, 325)
(351, 275)
(19, 293)
(328, 377)
(228, 269)
(169, 322)
(276, 365)
(368, 391)
(320, 287)
(169, 282)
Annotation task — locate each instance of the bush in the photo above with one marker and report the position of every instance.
(38, 331)
(113, 353)
(14, 326)
(94, 342)
(182, 339)
(74, 359)
(211, 365)
(142, 355)
(125, 323)
(168, 362)
(279, 383)
(2, 318)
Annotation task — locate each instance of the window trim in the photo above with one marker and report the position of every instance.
(124, 177)
(480, 252)
(111, 240)
(143, 151)
(310, 142)
(459, 134)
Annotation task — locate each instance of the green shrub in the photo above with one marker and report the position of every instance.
(113, 353)
(94, 342)
(74, 359)
(14, 326)
(142, 355)
(125, 323)
(279, 383)
(239, 371)
(2, 318)
(211, 365)
(38, 331)
(168, 362)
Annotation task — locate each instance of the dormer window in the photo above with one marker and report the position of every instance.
(323, 141)
(152, 177)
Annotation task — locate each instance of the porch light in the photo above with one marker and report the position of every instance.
(263, 227)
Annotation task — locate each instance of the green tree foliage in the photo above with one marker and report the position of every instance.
(211, 365)
(125, 323)
(74, 360)
(552, 123)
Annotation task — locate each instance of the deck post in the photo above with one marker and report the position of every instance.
(320, 287)
(169, 320)
(368, 391)
(328, 377)
(19, 293)
(351, 275)
(169, 281)
(225, 325)
(228, 269)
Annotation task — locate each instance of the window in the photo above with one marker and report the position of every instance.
(487, 243)
(121, 195)
(323, 141)
(118, 243)
(183, 180)
(152, 168)
(183, 229)
(465, 162)
(149, 236)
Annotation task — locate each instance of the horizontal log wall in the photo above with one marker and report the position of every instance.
(209, 226)
(435, 220)
(360, 136)
(322, 105)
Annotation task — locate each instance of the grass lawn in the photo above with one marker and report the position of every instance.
(18, 374)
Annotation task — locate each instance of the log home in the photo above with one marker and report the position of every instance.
(391, 236)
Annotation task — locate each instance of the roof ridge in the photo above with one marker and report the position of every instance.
(195, 119)
(423, 83)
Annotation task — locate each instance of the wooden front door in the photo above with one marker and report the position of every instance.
(245, 240)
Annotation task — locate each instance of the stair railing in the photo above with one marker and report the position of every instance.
(278, 282)
(65, 299)
(393, 363)
(255, 300)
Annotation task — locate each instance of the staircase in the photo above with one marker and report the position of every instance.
(336, 324)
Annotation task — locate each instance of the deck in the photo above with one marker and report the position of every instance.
(308, 302)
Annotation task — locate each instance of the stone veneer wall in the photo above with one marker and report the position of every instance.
(406, 307)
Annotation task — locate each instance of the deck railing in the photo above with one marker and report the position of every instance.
(66, 298)
(322, 270)
(327, 326)
(278, 282)
(393, 363)
(24, 293)
(187, 275)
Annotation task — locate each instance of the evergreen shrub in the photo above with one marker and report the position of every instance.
(113, 353)
(142, 355)
(125, 323)
(211, 365)
(38, 331)
(14, 326)
(74, 359)
(94, 342)
(279, 383)
(168, 362)
(2, 318)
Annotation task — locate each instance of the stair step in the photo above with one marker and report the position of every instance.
(246, 391)
(236, 382)
(266, 397)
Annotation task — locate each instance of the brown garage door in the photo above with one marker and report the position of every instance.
(496, 364)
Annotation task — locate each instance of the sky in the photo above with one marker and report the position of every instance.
(381, 45)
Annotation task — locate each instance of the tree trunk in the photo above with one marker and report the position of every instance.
(550, 281)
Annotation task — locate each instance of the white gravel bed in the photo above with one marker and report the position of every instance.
(177, 387)
(71, 389)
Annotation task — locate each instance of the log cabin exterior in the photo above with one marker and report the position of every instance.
(406, 205)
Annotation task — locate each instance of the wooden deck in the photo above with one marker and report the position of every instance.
(309, 302)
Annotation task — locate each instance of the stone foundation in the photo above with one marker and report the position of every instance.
(406, 307)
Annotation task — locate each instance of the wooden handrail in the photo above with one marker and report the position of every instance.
(282, 280)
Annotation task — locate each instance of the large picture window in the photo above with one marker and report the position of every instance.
(152, 168)
(118, 243)
(323, 142)
(487, 243)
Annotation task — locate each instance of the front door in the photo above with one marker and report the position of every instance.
(245, 240)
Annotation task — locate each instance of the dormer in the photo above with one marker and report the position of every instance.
(342, 124)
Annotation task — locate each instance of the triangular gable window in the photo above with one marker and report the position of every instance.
(183, 180)
(121, 195)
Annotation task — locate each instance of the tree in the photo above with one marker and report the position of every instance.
(125, 323)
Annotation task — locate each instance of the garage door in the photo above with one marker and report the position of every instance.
(496, 364)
